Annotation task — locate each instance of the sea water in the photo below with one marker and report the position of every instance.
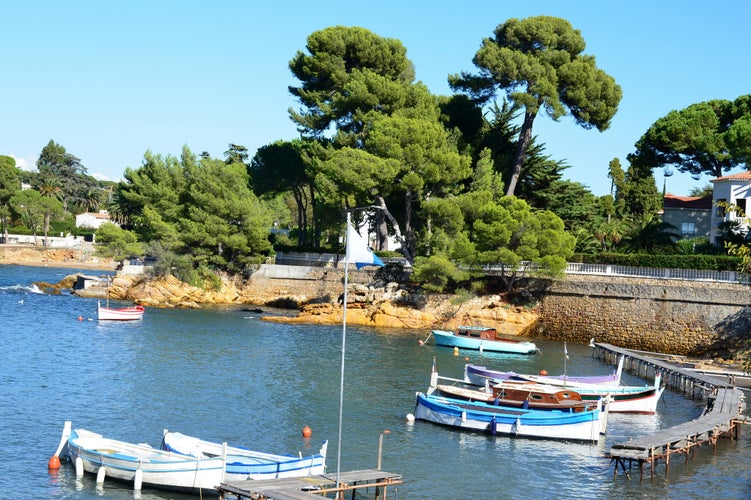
(224, 374)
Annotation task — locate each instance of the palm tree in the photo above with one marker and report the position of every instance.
(93, 198)
(652, 233)
(610, 233)
(49, 187)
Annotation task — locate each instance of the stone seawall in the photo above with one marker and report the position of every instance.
(679, 317)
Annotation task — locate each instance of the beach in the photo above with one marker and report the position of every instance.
(72, 258)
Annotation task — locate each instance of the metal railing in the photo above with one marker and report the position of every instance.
(658, 273)
(332, 260)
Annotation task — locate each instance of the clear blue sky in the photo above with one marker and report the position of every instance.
(109, 80)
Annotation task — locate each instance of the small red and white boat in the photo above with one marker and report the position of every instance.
(119, 313)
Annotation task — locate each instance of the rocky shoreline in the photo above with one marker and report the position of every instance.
(385, 307)
(380, 307)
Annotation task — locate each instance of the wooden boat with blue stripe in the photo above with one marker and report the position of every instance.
(244, 464)
(140, 464)
(482, 338)
(517, 422)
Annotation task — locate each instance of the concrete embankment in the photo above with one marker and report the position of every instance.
(700, 318)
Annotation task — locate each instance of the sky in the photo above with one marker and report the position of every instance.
(111, 80)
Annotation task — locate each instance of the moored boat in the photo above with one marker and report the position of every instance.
(242, 464)
(483, 339)
(477, 416)
(120, 313)
(141, 464)
(624, 398)
(520, 395)
(481, 375)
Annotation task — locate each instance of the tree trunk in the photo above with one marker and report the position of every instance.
(46, 229)
(382, 232)
(381, 203)
(409, 233)
(525, 136)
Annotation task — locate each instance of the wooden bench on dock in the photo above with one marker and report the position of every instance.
(312, 487)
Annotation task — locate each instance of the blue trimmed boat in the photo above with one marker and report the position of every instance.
(245, 464)
(571, 425)
(482, 338)
(140, 464)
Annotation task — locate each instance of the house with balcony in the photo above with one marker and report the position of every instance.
(690, 215)
(733, 190)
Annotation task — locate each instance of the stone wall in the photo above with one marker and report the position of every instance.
(305, 283)
(680, 317)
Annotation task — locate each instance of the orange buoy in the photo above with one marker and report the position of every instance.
(54, 463)
(543, 373)
(466, 358)
(307, 432)
(80, 318)
(420, 342)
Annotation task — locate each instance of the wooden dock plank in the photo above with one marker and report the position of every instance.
(311, 487)
(725, 404)
(708, 380)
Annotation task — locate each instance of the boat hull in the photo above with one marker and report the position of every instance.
(449, 339)
(479, 375)
(120, 314)
(158, 468)
(560, 425)
(243, 464)
(623, 399)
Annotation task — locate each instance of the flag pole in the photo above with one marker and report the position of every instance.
(344, 343)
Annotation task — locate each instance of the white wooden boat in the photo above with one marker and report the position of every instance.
(141, 464)
(119, 313)
(625, 398)
(242, 464)
(481, 375)
(520, 422)
(483, 339)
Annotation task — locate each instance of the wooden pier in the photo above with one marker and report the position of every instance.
(722, 416)
(313, 487)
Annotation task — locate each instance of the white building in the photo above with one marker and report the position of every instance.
(733, 190)
(92, 220)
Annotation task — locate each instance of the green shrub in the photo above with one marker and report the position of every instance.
(673, 261)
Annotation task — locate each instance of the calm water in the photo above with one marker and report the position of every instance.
(225, 375)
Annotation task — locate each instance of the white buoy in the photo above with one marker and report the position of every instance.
(410, 418)
(138, 481)
(100, 475)
(79, 466)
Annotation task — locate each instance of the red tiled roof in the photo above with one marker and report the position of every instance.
(673, 201)
(742, 176)
(97, 215)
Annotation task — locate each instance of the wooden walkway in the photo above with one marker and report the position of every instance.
(721, 418)
(313, 487)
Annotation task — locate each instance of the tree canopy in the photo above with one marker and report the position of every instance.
(201, 207)
(538, 62)
(9, 184)
(711, 138)
(347, 72)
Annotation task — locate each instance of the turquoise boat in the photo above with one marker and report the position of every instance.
(482, 338)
